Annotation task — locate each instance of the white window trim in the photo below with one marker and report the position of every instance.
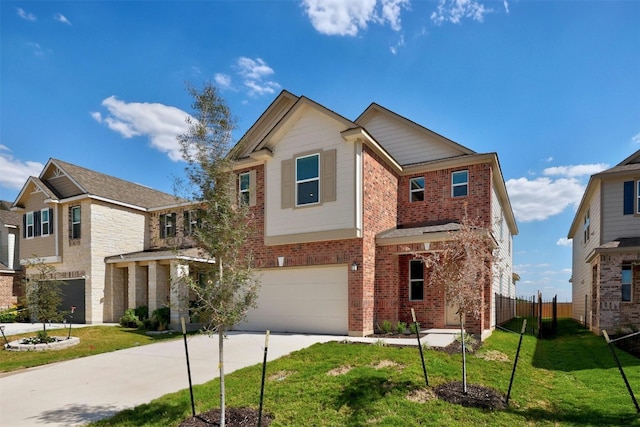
(638, 197)
(247, 190)
(302, 181)
(42, 222)
(421, 190)
(30, 226)
(586, 227)
(465, 184)
(629, 283)
(73, 208)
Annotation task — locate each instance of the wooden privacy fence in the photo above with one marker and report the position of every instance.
(545, 313)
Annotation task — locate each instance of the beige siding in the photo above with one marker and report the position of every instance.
(405, 144)
(64, 186)
(40, 246)
(615, 224)
(503, 267)
(311, 133)
(581, 271)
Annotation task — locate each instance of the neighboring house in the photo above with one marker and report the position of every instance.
(606, 249)
(10, 270)
(342, 206)
(116, 244)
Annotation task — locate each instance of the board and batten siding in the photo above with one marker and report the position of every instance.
(312, 133)
(615, 224)
(581, 270)
(407, 145)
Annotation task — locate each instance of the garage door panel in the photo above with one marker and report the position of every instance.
(311, 300)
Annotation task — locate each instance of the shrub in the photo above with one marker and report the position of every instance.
(160, 318)
(142, 312)
(401, 327)
(386, 326)
(130, 320)
(414, 328)
(8, 316)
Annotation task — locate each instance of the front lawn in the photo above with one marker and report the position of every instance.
(567, 381)
(93, 340)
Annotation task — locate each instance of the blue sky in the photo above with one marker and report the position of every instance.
(552, 86)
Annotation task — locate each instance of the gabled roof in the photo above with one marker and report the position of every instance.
(376, 108)
(89, 183)
(629, 166)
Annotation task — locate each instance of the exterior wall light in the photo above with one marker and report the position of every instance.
(354, 266)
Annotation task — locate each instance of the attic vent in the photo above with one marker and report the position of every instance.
(57, 173)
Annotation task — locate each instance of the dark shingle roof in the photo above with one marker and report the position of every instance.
(112, 188)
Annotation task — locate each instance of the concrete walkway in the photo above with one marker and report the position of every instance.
(75, 392)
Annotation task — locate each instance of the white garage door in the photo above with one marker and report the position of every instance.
(308, 300)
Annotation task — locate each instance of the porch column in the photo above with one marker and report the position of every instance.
(152, 283)
(131, 285)
(179, 298)
(137, 290)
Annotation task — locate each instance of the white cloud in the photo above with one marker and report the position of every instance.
(575, 171)
(158, 122)
(223, 81)
(347, 18)
(636, 139)
(543, 197)
(506, 6)
(61, 18)
(254, 73)
(563, 241)
(37, 49)
(14, 172)
(455, 10)
(394, 49)
(26, 15)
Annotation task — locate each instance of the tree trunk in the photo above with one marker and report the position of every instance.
(221, 366)
(464, 355)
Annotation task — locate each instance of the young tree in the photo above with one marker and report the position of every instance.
(230, 288)
(43, 294)
(461, 270)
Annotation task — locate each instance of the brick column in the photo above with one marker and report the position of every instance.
(179, 293)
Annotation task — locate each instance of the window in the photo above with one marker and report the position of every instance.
(416, 280)
(29, 227)
(167, 225)
(74, 220)
(416, 189)
(244, 182)
(191, 222)
(586, 227)
(460, 183)
(308, 180)
(626, 282)
(45, 222)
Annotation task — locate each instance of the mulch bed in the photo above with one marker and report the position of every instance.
(631, 345)
(234, 417)
(477, 396)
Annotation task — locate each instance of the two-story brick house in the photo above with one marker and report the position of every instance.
(606, 249)
(342, 208)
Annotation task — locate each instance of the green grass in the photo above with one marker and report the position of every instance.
(93, 340)
(570, 380)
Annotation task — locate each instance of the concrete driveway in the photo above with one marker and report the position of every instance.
(79, 391)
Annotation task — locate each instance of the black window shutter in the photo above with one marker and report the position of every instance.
(24, 226)
(36, 224)
(628, 198)
(50, 221)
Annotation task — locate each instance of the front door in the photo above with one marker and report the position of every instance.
(451, 316)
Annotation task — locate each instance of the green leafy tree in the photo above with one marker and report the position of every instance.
(461, 270)
(230, 288)
(43, 294)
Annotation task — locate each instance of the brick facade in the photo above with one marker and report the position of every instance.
(609, 311)
(10, 289)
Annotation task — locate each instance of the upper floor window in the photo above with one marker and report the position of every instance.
(416, 189)
(244, 187)
(308, 180)
(167, 225)
(29, 227)
(631, 196)
(460, 183)
(74, 222)
(191, 222)
(416, 280)
(626, 282)
(586, 227)
(45, 222)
